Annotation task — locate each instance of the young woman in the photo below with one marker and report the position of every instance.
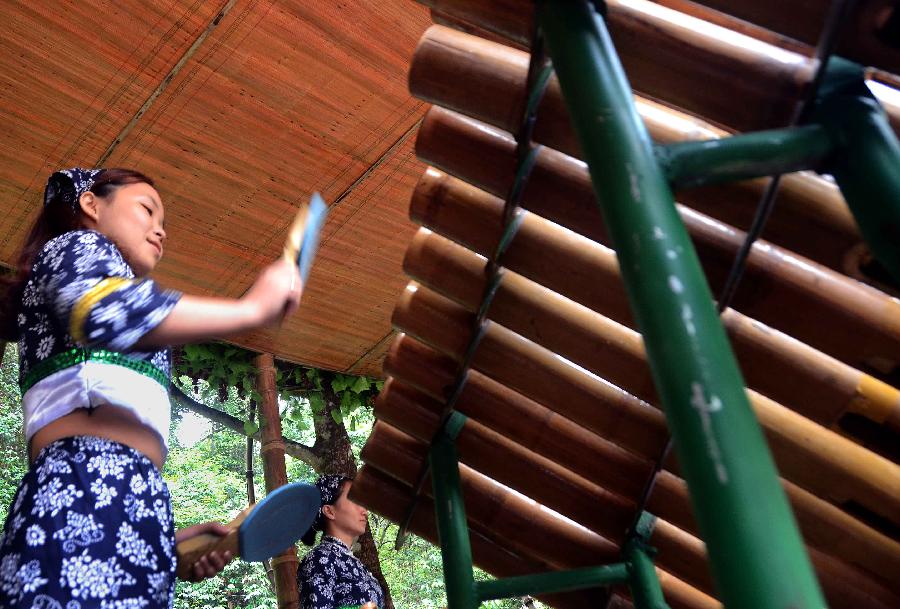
(330, 576)
(91, 523)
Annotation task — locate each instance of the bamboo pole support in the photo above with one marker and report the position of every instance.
(286, 563)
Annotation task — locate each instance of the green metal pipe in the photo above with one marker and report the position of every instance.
(643, 582)
(758, 558)
(556, 581)
(453, 531)
(741, 157)
(867, 169)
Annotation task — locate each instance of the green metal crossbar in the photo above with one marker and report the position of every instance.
(463, 592)
(757, 555)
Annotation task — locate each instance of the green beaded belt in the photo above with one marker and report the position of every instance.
(78, 355)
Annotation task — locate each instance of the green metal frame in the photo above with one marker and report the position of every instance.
(757, 555)
(463, 592)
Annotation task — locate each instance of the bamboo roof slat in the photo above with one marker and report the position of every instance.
(862, 37)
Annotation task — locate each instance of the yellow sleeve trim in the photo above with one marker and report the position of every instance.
(88, 300)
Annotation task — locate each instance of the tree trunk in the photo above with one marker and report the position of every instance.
(333, 446)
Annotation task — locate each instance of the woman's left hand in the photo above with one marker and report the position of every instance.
(211, 564)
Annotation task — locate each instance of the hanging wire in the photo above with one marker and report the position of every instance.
(837, 15)
(539, 72)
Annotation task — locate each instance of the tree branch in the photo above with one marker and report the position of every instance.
(305, 453)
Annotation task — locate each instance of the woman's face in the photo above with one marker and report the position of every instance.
(131, 217)
(349, 517)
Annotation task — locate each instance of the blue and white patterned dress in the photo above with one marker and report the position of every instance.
(82, 313)
(91, 524)
(330, 576)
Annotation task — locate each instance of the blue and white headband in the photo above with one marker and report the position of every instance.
(329, 486)
(69, 184)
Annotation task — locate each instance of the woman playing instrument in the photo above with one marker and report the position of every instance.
(330, 576)
(91, 523)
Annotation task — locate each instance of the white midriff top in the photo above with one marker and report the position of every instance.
(94, 383)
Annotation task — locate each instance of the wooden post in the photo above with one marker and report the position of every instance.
(285, 564)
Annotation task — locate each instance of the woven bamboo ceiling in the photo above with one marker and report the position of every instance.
(239, 109)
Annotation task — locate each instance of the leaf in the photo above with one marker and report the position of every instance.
(349, 402)
(360, 384)
(339, 382)
(379, 385)
(336, 416)
(316, 402)
(250, 428)
(318, 419)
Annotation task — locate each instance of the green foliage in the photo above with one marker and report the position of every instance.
(12, 438)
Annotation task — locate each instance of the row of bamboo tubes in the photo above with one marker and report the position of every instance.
(563, 425)
(486, 80)
(526, 527)
(690, 63)
(560, 191)
(572, 266)
(420, 377)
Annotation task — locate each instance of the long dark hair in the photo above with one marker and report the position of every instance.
(57, 216)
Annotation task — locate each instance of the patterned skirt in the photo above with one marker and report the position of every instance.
(90, 528)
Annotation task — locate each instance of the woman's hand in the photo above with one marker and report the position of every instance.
(275, 294)
(210, 564)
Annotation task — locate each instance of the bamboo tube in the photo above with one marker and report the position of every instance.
(389, 498)
(400, 455)
(824, 462)
(558, 488)
(803, 20)
(510, 516)
(535, 372)
(683, 60)
(489, 84)
(420, 377)
(515, 416)
(560, 190)
(811, 383)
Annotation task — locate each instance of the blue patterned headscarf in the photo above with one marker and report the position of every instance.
(69, 184)
(329, 486)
